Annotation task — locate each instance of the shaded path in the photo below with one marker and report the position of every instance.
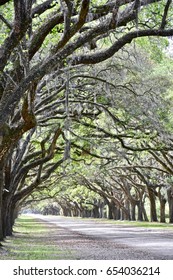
(95, 240)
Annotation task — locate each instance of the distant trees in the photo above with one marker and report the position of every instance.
(119, 130)
(42, 44)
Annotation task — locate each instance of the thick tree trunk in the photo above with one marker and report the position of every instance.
(171, 211)
(10, 219)
(1, 226)
(65, 211)
(162, 210)
(1, 201)
(162, 200)
(133, 211)
(127, 216)
(121, 215)
(115, 212)
(101, 209)
(110, 211)
(170, 202)
(145, 217)
(96, 213)
(6, 212)
(140, 211)
(9, 226)
(118, 214)
(153, 212)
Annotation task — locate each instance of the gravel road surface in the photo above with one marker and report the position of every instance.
(89, 239)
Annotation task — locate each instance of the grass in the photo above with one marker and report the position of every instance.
(146, 224)
(37, 240)
(129, 223)
(33, 240)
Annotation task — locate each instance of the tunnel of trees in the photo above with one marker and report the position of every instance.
(86, 120)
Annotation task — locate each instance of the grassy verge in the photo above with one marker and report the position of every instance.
(128, 223)
(32, 240)
(145, 224)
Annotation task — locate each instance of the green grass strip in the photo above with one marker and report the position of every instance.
(125, 223)
(33, 240)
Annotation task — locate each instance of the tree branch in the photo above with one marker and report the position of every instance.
(166, 10)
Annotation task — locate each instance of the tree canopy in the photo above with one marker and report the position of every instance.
(73, 89)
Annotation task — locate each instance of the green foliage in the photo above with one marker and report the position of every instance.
(154, 47)
(112, 115)
(133, 93)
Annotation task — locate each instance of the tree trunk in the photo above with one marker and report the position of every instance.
(153, 212)
(162, 210)
(101, 209)
(145, 217)
(118, 214)
(171, 212)
(133, 211)
(114, 211)
(140, 215)
(127, 216)
(170, 202)
(11, 216)
(9, 225)
(1, 202)
(110, 211)
(96, 213)
(7, 219)
(1, 227)
(121, 215)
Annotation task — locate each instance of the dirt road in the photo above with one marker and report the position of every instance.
(90, 239)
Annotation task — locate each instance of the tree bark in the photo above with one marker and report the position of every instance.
(162, 211)
(140, 215)
(111, 211)
(1, 227)
(127, 206)
(9, 218)
(153, 212)
(170, 202)
(133, 211)
(1, 200)
(145, 217)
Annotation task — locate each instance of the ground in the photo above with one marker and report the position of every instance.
(55, 237)
(94, 240)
